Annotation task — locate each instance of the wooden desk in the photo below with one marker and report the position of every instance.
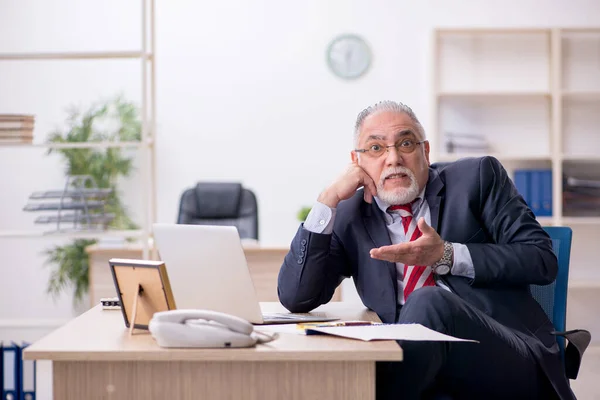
(264, 264)
(94, 358)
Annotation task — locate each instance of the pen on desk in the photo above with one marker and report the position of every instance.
(310, 325)
(344, 323)
(354, 323)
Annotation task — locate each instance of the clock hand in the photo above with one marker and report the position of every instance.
(348, 55)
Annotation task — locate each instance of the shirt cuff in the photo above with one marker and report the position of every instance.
(320, 219)
(463, 263)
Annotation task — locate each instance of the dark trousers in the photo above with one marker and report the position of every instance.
(500, 366)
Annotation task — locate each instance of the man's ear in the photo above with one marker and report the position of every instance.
(426, 149)
(354, 157)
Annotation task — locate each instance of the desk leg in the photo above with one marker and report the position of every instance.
(263, 380)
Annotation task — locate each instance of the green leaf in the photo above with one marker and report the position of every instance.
(303, 213)
(115, 119)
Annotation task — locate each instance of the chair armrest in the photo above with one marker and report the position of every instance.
(578, 339)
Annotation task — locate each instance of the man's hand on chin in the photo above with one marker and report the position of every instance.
(426, 250)
(346, 185)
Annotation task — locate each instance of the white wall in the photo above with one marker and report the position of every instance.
(244, 94)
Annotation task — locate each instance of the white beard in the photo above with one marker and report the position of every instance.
(398, 195)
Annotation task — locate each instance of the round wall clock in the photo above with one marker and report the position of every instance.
(348, 56)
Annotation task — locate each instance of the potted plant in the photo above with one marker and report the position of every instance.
(113, 120)
(303, 213)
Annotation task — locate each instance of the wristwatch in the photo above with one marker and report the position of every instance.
(443, 265)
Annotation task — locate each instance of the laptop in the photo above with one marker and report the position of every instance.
(207, 270)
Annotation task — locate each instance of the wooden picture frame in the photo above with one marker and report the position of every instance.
(143, 288)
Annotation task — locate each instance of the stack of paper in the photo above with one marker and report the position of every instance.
(466, 143)
(365, 330)
(16, 128)
(387, 332)
(581, 197)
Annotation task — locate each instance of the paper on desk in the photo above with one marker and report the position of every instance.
(280, 328)
(389, 332)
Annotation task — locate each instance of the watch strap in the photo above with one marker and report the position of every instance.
(446, 259)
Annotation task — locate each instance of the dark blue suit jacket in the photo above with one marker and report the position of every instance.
(472, 201)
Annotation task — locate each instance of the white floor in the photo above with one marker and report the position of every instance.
(587, 384)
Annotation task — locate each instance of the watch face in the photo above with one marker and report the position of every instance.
(348, 56)
(442, 269)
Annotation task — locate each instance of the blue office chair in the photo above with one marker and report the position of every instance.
(553, 299)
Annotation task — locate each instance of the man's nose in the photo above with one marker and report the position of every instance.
(393, 156)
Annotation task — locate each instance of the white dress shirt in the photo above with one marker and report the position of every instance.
(321, 219)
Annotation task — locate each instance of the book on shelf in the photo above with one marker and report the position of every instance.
(17, 118)
(535, 186)
(581, 197)
(19, 140)
(585, 183)
(584, 191)
(16, 128)
(6, 130)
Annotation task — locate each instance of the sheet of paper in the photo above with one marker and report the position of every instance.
(299, 328)
(389, 332)
(280, 328)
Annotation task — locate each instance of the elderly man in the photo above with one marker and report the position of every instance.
(453, 248)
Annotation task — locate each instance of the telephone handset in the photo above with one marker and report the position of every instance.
(203, 328)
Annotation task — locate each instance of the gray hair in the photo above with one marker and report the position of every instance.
(387, 105)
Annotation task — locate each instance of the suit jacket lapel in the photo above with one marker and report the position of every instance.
(434, 200)
(376, 225)
(378, 232)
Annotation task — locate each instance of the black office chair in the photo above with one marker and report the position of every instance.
(220, 203)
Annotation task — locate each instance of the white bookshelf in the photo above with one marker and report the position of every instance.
(534, 95)
(145, 55)
(33, 234)
(92, 55)
(504, 158)
(82, 145)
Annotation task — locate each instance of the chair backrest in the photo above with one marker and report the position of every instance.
(553, 297)
(220, 203)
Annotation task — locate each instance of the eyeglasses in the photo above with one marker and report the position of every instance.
(376, 150)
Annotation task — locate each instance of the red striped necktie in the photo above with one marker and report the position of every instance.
(415, 276)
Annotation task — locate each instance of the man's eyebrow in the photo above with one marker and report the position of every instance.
(404, 132)
(376, 137)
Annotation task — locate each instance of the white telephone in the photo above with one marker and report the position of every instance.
(203, 328)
